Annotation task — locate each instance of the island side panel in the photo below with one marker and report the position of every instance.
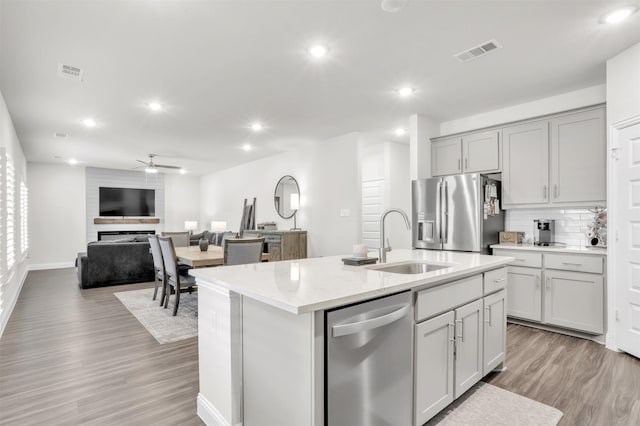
(283, 366)
(220, 356)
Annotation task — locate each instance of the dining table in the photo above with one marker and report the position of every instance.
(213, 256)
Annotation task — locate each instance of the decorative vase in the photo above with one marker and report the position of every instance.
(204, 244)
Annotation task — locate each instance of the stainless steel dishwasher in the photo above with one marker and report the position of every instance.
(368, 369)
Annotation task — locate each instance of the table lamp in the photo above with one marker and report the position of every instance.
(294, 203)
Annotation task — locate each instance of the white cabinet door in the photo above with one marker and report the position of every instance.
(469, 345)
(524, 293)
(574, 300)
(525, 164)
(446, 157)
(433, 366)
(481, 152)
(578, 158)
(495, 331)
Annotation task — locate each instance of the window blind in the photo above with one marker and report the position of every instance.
(10, 211)
(24, 217)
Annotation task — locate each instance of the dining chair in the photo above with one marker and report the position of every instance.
(180, 239)
(240, 251)
(158, 267)
(173, 278)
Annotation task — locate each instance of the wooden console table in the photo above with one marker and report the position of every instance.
(119, 221)
(281, 244)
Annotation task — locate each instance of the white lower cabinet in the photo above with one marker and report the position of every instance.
(434, 366)
(468, 347)
(563, 290)
(495, 331)
(525, 300)
(455, 349)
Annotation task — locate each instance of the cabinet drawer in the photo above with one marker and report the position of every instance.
(574, 262)
(495, 280)
(443, 298)
(523, 258)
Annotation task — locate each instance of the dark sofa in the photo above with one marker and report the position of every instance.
(114, 262)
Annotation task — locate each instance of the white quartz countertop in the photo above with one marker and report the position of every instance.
(308, 285)
(555, 249)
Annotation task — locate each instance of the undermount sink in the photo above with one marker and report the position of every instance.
(409, 267)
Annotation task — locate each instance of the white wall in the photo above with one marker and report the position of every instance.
(563, 102)
(328, 175)
(13, 279)
(182, 201)
(57, 214)
(623, 85)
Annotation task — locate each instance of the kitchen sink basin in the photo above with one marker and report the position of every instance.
(410, 267)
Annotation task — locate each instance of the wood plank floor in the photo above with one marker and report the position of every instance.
(591, 385)
(71, 356)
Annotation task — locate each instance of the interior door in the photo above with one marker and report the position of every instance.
(462, 213)
(627, 241)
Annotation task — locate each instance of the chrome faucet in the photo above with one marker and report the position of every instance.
(384, 249)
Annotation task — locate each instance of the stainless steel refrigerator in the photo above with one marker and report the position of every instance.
(459, 212)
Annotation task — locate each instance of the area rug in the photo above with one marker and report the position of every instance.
(488, 405)
(159, 321)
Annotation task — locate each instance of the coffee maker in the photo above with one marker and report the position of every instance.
(543, 232)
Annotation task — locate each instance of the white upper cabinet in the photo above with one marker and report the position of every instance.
(525, 175)
(477, 152)
(446, 157)
(559, 162)
(578, 158)
(481, 152)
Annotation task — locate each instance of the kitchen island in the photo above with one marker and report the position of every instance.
(262, 332)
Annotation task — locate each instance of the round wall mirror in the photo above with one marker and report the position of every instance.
(286, 197)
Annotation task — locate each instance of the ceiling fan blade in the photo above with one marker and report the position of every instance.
(138, 167)
(143, 162)
(167, 167)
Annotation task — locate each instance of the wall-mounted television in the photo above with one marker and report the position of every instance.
(127, 202)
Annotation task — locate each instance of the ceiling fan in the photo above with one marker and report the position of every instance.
(151, 167)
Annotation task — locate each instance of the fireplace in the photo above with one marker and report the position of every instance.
(116, 235)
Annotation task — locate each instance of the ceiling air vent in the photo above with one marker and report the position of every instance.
(474, 52)
(61, 135)
(70, 72)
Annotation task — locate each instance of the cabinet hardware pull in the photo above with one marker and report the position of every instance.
(466, 164)
(461, 335)
(519, 260)
(555, 190)
(548, 284)
(537, 281)
(458, 164)
(498, 280)
(544, 191)
(488, 321)
(452, 333)
(572, 264)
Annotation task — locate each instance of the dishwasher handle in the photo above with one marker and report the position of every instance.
(370, 324)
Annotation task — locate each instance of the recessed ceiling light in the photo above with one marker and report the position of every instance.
(246, 147)
(318, 50)
(400, 131)
(406, 91)
(155, 106)
(183, 171)
(89, 122)
(72, 161)
(619, 15)
(256, 127)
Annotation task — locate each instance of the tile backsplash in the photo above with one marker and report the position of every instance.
(571, 224)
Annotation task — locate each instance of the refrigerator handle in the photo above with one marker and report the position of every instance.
(446, 213)
(439, 212)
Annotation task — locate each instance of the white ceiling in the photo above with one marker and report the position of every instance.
(219, 65)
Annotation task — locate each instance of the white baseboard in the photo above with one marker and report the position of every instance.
(209, 414)
(12, 304)
(59, 265)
